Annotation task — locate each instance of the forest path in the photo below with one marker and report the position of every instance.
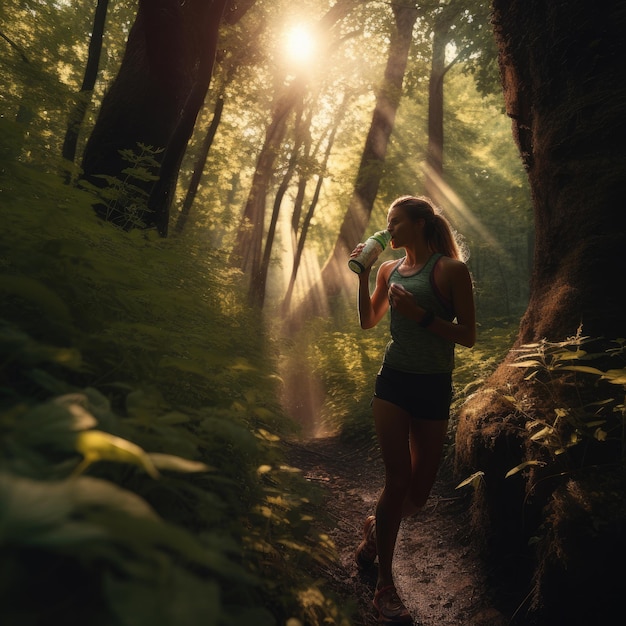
(438, 573)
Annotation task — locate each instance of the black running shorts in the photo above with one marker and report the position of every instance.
(423, 396)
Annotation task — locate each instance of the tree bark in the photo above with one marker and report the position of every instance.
(567, 112)
(156, 95)
(79, 110)
(248, 247)
(196, 176)
(559, 65)
(256, 292)
(162, 193)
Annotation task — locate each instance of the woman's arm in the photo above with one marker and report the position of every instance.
(372, 308)
(461, 292)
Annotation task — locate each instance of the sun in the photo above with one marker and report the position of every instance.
(300, 44)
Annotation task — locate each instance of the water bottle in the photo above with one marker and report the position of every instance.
(374, 245)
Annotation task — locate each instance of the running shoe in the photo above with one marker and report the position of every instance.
(366, 552)
(390, 608)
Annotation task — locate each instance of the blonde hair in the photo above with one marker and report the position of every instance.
(439, 234)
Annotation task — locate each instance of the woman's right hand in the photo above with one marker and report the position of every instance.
(357, 250)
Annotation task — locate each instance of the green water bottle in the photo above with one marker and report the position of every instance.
(374, 245)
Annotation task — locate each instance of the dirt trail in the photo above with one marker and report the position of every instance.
(437, 571)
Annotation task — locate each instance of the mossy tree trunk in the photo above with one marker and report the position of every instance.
(560, 65)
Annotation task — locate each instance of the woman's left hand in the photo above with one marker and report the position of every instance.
(403, 301)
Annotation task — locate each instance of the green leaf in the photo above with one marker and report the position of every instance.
(582, 368)
(177, 464)
(568, 355)
(474, 480)
(53, 424)
(521, 466)
(528, 363)
(617, 377)
(544, 432)
(43, 513)
(96, 445)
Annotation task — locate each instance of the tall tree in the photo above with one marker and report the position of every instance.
(79, 110)
(248, 247)
(559, 63)
(236, 53)
(434, 154)
(199, 164)
(157, 94)
(256, 291)
(463, 24)
(300, 233)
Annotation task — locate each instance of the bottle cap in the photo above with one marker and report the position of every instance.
(383, 237)
(355, 266)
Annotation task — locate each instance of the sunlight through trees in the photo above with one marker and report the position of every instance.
(181, 184)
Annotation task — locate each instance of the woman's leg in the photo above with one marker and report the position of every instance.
(393, 426)
(427, 438)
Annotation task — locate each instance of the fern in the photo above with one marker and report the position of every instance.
(569, 419)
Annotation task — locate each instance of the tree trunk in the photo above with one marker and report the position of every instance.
(559, 64)
(301, 239)
(24, 115)
(155, 97)
(78, 112)
(434, 185)
(198, 168)
(256, 292)
(248, 247)
(299, 235)
(434, 151)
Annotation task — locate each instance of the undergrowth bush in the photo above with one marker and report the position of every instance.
(557, 493)
(579, 423)
(141, 476)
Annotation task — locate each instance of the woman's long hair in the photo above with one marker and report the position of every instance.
(439, 234)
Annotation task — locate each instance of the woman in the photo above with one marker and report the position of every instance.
(430, 294)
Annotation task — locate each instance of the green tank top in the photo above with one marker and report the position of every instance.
(413, 348)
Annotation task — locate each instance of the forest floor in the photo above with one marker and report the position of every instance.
(438, 572)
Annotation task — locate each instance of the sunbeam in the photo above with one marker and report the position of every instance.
(456, 207)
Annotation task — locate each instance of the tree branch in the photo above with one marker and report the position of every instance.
(15, 47)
